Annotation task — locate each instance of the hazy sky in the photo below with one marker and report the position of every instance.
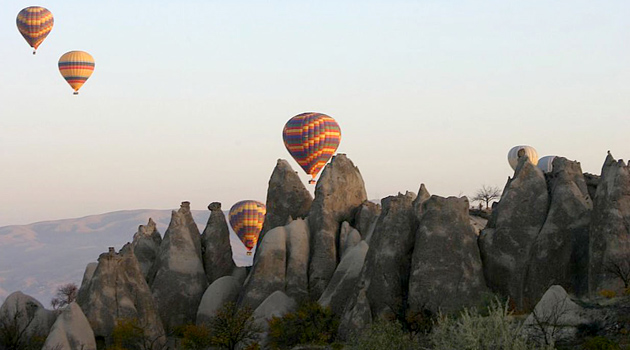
(189, 98)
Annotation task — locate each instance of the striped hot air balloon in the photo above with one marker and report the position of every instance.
(76, 67)
(311, 138)
(247, 218)
(34, 23)
(519, 151)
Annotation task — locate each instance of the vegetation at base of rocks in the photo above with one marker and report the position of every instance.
(233, 327)
(607, 293)
(619, 266)
(66, 294)
(383, 334)
(309, 324)
(473, 331)
(194, 337)
(129, 334)
(600, 343)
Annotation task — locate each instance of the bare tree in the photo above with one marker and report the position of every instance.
(14, 326)
(66, 294)
(548, 324)
(487, 194)
(619, 266)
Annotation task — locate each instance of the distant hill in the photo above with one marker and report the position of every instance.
(36, 258)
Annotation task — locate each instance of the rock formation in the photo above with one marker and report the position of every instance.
(365, 219)
(225, 289)
(338, 194)
(610, 227)
(179, 279)
(24, 314)
(215, 245)
(298, 247)
(71, 331)
(146, 244)
(560, 251)
(118, 292)
(85, 282)
(505, 244)
(446, 272)
(348, 238)
(345, 278)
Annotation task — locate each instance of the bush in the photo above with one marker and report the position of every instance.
(472, 331)
(600, 343)
(232, 327)
(606, 293)
(383, 334)
(309, 324)
(127, 334)
(195, 337)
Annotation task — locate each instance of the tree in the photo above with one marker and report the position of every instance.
(619, 266)
(232, 327)
(14, 327)
(486, 194)
(66, 294)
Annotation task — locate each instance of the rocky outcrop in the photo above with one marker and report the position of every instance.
(338, 194)
(215, 245)
(446, 272)
(179, 279)
(505, 244)
(87, 278)
(71, 331)
(298, 247)
(357, 315)
(26, 315)
(348, 238)
(221, 291)
(560, 251)
(276, 305)
(345, 278)
(146, 244)
(365, 219)
(118, 292)
(286, 197)
(610, 227)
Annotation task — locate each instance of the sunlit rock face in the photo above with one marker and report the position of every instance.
(216, 250)
(610, 226)
(339, 193)
(71, 331)
(179, 280)
(505, 244)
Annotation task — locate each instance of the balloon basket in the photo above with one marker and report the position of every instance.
(75, 93)
(311, 182)
(249, 253)
(34, 52)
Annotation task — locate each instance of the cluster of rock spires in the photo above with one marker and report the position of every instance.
(365, 261)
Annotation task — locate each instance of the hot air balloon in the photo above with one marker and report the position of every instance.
(76, 67)
(247, 218)
(311, 138)
(546, 163)
(34, 23)
(519, 151)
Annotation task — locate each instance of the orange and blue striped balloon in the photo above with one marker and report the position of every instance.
(34, 23)
(312, 139)
(76, 67)
(247, 218)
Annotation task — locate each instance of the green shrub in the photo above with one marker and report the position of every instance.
(194, 337)
(472, 331)
(600, 343)
(127, 334)
(309, 324)
(383, 334)
(232, 327)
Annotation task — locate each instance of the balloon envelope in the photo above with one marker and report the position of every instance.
(76, 67)
(247, 218)
(34, 23)
(518, 151)
(546, 163)
(311, 139)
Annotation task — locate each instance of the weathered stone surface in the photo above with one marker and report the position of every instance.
(345, 279)
(275, 305)
(71, 331)
(348, 238)
(446, 272)
(298, 247)
(180, 280)
(286, 197)
(27, 315)
(225, 289)
(423, 196)
(592, 181)
(365, 219)
(240, 273)
(216, 250)
(505, 244)
(338, 194)
(146, 243)
(357, 315)
(118, 291)
(87, 278)
(478, 223)
(560, 252)
(610, 226)
(269, 270)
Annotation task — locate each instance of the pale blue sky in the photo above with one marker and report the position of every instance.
(189, 98)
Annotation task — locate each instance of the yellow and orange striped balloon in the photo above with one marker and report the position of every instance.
(34, 23)
(76, 67)
(247, 218)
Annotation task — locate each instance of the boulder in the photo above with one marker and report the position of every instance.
(348, 238)
(297, 250)
(27, 316)
(275, 305)
(118, 292)
(446, 272)
(610, 227)
(338, 194)
(286, 197)
(215, 245)
(71, 331)
(560, 251)
(224, 290)
(345, 278)
(505, 244)
(180, 280)
(146, 244)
